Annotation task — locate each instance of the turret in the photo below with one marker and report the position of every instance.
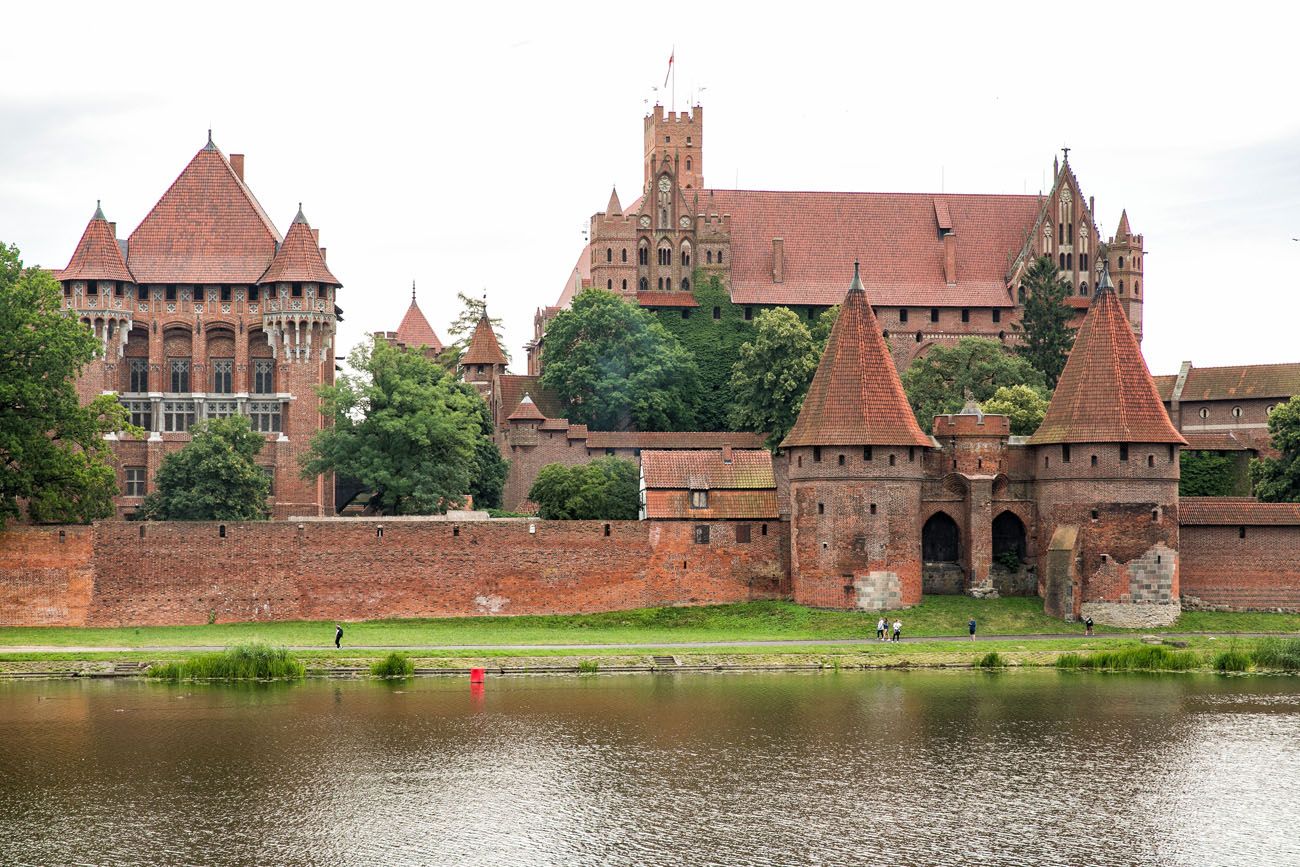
(1106, 474)
(679, 138)
(483, 360)
(856, 462)
(1124, 256)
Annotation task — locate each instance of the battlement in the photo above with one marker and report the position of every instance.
(971, 425)
(657, 116)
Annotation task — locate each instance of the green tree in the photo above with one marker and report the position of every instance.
(1277, 480)
(404, 428)
(1045, 333)
(939, 381)
(1024, 405)
(215, 477)
(604, 489)
(462, 329)
(615, 366)
(769, 381)
(53, 456)
(1205, 474)
(488, 473)
(821, 329)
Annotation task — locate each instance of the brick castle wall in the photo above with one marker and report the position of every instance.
(120, 573)
(1221, 567)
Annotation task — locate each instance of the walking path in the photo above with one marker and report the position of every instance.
(642, 645)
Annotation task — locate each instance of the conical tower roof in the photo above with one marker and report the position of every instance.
(415, 330)
(856, 397)
(526, 411)
(614, 208)
(1106, 394)
(299, 259)
(483, 347)
(98, 255)
(1123, 231)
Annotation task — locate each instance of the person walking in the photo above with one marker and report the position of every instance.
(898, 629)
(1087, 626)
(971, 625)
(338, 636)
(880, 628)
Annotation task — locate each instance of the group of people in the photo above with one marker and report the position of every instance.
(882, 630)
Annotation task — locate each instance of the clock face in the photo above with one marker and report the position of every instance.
(645, 221)
(685, 222)
(665, 185)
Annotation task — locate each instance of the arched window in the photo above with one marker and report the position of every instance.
(1083, 261)
(665, 255)
(625, 254)
(1121, 263)
(708, 256)
(1070, 234)
(645, 284)
(1069, 261)
(1060, 231)
(663, 218)
(1062, 262)
(609, 284)
(1137, 286)
(1083, 289)
(719, 257)
(1121, 287)
(686, 254)
(643, 255)
(686, 285)
(625, 285)
(609, 254)
(1020, 294)
(688, 164)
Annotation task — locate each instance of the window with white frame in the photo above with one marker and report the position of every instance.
(141, 413)
(136, 479)
(264, 415)
(178, 415)
(220, 408)
(264, 377)
(223, 376)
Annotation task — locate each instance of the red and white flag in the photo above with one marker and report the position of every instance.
(670, 65)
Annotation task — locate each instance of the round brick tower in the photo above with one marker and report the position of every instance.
(1106, 471)
(856, 464)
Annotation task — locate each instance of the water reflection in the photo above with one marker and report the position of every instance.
(848, 768)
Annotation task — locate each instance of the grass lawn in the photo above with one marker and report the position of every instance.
(936, 616)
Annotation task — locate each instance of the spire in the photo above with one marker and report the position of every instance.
(613, 209)
(301, 217)
(98, 255)
(415, 330)
(299, 258)
(209, 146)
(1123, 231)
(99, 212)
(856, 397)
(413, 293)
(483, 346)
(1103, 283)
(1106, 394)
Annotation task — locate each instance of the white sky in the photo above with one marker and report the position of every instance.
(466, 148)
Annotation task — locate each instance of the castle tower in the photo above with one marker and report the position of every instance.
(414, 332)
(679, 139)
(1106, 476)
(1124, 256)
(483, 361)
(614, 249)
(857, 459)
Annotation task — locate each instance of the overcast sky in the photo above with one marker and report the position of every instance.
(467, 149)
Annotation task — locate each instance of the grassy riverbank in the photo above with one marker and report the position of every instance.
(937, 616)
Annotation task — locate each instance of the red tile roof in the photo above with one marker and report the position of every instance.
(579, 276)
(896, 236)
(512, 387)
(1105, 393)
(1165, 385)
(415, 330)
(1211, 511)
(98, 256)
(483, 347)
(299, 258)
(1215, 441)
(526, 410)
(856, 397)
(599, 439)
(577, 432)
(654, 298)
(1123, 231)
(207, 228)
(723, 505)
(749, 469)
(1235, 383)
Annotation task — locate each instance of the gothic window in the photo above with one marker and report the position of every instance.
(686, 255)
(135, 481)
(708, 257)
(645, 284)
(139, 375)
(1060, 232)
(661, 284)
(1083, 261)
(1062, 265)
(264, 376)
(643, 255)
(1070, 233)
(141, 413)
(609, 284)
(1121, 263)
(663, 218)
(1083, 289)
(264, 415)
(1121, 287)
(223, 376)
(220, 408)
(1136, 287)
(1069, 261)
(609, 254)
(665, 255)
(178, 415)
(180, 374)
(625, 254)
(686, 285)
(688, 163)
(625, 285)
(719, 257)
(1020, 294)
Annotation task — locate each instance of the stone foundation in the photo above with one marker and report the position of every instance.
(878, 591)
(1131, 615)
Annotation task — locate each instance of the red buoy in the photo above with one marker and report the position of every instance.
(477, 675)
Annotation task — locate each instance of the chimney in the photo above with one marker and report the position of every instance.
(950, 258)
(112, 228)
(315, 237)
(237, 163)
(726, 453)
(778, 260)
(322, 254)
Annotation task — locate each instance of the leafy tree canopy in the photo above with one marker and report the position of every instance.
(406, 430)
(215, 477)
(615, 366)
(1045, 333)
(769, 381)
(940, 381)
(1206, 474)
(52, 450)
(1277, 480)
(462, 329)
(1024, 405)
(604, 489)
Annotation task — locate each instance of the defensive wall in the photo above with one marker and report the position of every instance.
(153, 573)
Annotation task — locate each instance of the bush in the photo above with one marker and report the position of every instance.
(1144, 658)
(1232, 660)
(244, 662)
(1070, 661)
(992, 659)
(394, 665)
(505, 513)
(588, 666)
(1282, 654)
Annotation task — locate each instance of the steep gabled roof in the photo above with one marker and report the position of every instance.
(1123, 231)
(483, 347)
(1239, 382)
(299, 258)
(1105, 394)
(415, 330)
(207, 228)
(613, 209)
(856, 397)
(526, 410)
(708, 469)
(98, 256)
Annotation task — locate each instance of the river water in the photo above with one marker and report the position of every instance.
(889, 768)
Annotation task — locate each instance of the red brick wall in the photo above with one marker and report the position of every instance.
(1261, 571)
(158, 573)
